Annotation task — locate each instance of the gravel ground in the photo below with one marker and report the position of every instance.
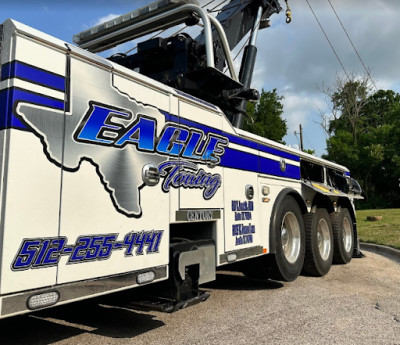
(358, 303)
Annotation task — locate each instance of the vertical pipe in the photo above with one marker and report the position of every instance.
(246, 69)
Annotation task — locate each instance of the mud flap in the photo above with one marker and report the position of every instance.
(357, 253)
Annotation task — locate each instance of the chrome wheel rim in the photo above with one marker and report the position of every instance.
(347, 236)
(290, 237)
(323, 239)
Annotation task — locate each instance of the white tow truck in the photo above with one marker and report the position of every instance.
(134, 170)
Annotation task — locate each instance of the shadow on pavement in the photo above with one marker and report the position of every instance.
(109, 316)
(64, 322)
(234, 281)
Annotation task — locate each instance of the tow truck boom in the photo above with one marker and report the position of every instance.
(193, 65)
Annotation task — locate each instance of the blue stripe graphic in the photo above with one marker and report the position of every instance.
(240, 160)
(23, 71)
(279, 153)
(271, 167)
(246, 161)
(9, 97)
(233, 138)
(232, 158)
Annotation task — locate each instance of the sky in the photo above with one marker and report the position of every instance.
(294, 58)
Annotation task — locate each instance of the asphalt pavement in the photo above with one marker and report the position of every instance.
(358, 303)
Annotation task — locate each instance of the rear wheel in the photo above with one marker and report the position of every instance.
(343, 235)
(289, 231)
(319, 243)
(290, 237)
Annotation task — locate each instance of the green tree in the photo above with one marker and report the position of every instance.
(266, 115)
(365, 137)
(309, 151)
(348, 102)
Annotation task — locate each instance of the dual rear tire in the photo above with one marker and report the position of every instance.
(309, 243)
(312, 242)
(343, 234)
(329, 239)
(319, 243)
(287, 262)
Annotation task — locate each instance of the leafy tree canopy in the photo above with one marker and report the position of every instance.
(266, 115)
(365, 136)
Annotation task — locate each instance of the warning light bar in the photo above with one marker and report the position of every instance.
(158, 15)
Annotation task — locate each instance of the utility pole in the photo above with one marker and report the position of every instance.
(301, 137)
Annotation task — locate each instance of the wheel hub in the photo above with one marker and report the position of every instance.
(284, 237)
(347, 236)
(290, 237)
(324, 239)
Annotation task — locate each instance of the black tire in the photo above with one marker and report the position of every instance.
(343, 236)
(319, 243)
(287, 262)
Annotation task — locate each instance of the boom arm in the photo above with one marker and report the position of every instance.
(238, 17)
(194, 66)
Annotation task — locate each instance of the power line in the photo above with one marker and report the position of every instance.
(227, 8)
(243, 46)
(326, 36)
(214, 8)
(351, 42)
(207, 4)
(238, 53)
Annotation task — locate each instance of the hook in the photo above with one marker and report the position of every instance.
(288, 13)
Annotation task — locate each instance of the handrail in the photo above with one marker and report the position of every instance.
(225, 46)
(132, 31)
(144, 27)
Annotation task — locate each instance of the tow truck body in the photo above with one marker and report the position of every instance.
(111, 179)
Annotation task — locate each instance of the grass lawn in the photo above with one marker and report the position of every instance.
(385, 232)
